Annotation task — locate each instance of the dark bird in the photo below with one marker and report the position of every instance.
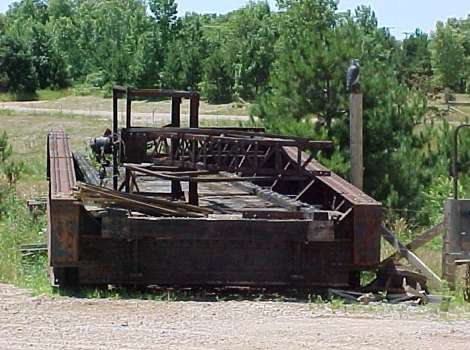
(352, 77)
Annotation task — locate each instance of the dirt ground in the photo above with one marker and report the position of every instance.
(66, 323)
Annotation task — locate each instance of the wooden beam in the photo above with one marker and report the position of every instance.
(411, 257)
(356, 130)
(419, 241)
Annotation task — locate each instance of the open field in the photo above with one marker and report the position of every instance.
(28, 131)
(149, 111)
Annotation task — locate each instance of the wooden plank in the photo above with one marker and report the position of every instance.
(412, 258)
(150, 206)
(419, 241)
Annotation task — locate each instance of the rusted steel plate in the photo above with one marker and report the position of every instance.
(63, 213)
(214, 263)
(351, 193)
(61, 166)
(203, 229)
(361, 222)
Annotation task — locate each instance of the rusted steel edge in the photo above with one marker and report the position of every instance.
(61, 166)
(351, 193)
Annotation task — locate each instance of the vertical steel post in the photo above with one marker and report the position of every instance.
(176, 190)
(194, 111)
(115, 140)
(128, 126)
(194, 123)
(129, 108)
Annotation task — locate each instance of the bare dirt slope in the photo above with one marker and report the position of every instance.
(64, 323)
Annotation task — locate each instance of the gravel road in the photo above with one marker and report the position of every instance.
(138, 117)
(66, 323)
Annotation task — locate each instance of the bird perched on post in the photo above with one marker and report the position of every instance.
(352, 77)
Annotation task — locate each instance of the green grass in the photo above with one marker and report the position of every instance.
(19, 227)
(40, 95)
(50, 95)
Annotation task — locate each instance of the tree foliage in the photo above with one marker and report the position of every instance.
(449, 58)
(16, 66)
(290, 64)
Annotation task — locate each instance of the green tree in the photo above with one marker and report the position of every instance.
(218, 78)
(183, 67)
(60, 8)
(165, 13)
(416, 65)
(448, 56)
(301, 84)
(250, 40)
(307, 96)
(16, 65)
(48, 63)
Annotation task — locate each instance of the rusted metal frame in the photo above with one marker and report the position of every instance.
(162, 168)
(265, 157)
(128, 110)
(346, 214)
(193, 195)
(250, 138)
(194, 176)
(251, 141)
(280, 176)
(195, 179)
(335, 183)
(236, 129)
(134, 183)
(156, 93)
(63, 213)
(201, 229)
(160, 175)
(272, 214)
(116, 94)
(307, 162)
(194, 111)
(236, 179)
(263, 173)
(236, 149)
(61, 166)
(343, 202)
(176, 190)
(161, 146)
(189, 173)
(304, 191)
(245, 157)
(176, 112)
